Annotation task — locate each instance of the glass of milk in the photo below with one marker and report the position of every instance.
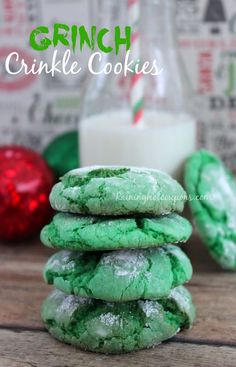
(168, 134)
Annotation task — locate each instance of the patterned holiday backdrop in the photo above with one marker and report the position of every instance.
(35, 109)
(207, 37)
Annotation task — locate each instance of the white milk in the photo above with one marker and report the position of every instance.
(163, 143)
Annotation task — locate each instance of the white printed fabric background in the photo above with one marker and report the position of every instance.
(35, 109)
(207, 37)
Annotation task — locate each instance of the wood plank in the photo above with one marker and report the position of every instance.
(27, 349)
(20, 301)
(216, 314)
(22, 288)
(199, 255)
(31, 250)
(22, 291)
(35, 252)
(22, 296)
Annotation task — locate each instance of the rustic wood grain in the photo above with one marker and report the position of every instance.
(24, 342)
(31, 349)
(22, 291)
(22, 296)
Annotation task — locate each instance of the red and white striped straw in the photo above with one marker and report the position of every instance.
(136, 88)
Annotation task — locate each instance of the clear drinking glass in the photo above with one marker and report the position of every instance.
(168, 135)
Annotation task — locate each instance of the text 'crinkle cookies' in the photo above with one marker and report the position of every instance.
(119, 277)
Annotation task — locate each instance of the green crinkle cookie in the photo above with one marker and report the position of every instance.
(119, 275)
(116, 327)
(70, 231)
(212, 192)
(117, 191)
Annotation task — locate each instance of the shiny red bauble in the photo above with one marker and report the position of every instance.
(25, 184)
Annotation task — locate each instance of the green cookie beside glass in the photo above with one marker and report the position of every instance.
(212, 192)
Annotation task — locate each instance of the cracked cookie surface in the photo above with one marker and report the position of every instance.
(73, 232)
(212, 191)
(117, 191)
(107, 327)
(119, 275)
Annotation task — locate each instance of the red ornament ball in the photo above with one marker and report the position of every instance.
(25, 184)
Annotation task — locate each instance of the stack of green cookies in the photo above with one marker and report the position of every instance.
(118, 279)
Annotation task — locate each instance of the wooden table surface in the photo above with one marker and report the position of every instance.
(25, 342)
